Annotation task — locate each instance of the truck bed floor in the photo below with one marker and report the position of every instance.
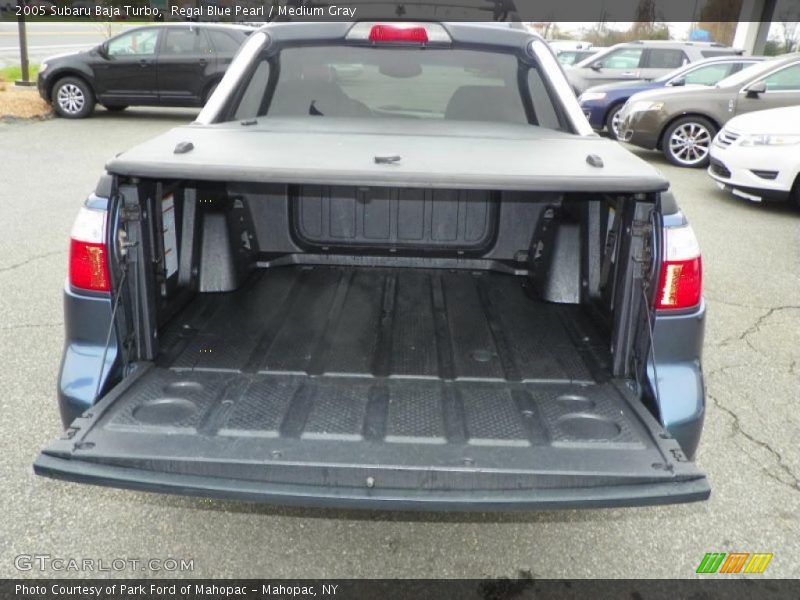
(394, 323)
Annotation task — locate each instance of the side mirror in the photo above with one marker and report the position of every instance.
(759, 87)
(680, 81)
(596, 66)
(102, 50)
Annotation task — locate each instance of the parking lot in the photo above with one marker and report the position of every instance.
(751, 257)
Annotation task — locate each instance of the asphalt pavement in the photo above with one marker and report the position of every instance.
(749, 447)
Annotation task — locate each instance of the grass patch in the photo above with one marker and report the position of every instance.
(14, 73)
(20, 103)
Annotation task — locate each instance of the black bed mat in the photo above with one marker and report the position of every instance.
(370, 322)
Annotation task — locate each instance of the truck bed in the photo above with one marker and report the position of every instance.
(409, 387)
(396, 323)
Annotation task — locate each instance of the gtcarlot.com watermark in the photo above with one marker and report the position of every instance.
(47, 562)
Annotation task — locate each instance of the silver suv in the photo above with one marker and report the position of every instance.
(640, 60)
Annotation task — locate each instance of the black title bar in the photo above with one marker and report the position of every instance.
(543, 11)
(522, 588)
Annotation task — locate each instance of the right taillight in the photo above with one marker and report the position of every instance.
(88, 256)
(680, 283)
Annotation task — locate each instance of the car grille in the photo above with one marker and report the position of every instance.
(726, 138)
(718, 169)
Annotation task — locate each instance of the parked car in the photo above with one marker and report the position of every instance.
(426, 285)
(178, 64)
(683, 122)
(640, 60)
(757, 155)
(602, 104)
(571, 57)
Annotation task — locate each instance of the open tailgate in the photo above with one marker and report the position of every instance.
(337, 441)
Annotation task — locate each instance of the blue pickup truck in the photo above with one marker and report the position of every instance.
(424, 282)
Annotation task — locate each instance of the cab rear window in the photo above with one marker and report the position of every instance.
(370, 83)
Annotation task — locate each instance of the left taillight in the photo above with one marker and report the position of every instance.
(88, 254)
(681, 279)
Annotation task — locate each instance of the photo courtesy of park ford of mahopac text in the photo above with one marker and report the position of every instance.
(511, 588)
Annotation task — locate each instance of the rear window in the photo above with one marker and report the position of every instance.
(370, 83)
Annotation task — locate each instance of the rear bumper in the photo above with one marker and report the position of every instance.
(86, 323)
(678, 340)
(649, 494)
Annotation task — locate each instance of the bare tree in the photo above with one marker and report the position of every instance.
(719, 18)
(789, 31)
(644, 23)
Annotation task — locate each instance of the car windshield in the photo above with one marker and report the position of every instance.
(746, 74)
(364, 82)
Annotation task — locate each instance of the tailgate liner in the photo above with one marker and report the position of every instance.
(358, 442)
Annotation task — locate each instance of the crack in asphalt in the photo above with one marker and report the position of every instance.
(29, 260)
(794, 480)
(756, 327)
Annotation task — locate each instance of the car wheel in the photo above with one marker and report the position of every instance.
(114, 108)
(613, 122)
(72, 98)
(687, 142)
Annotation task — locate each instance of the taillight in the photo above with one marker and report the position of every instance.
(399, 33)
(88, 255)
(680, 282)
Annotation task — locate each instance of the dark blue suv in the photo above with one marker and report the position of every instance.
(601, 104)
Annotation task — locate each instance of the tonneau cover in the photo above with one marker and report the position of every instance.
(438, 154)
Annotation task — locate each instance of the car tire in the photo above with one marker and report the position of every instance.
(612, 121)
(114, 108)
(72, 98)
(687, 141)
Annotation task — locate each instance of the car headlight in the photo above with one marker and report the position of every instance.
(590, 96)
(42, 67)
(770, 140)
(643, 106)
